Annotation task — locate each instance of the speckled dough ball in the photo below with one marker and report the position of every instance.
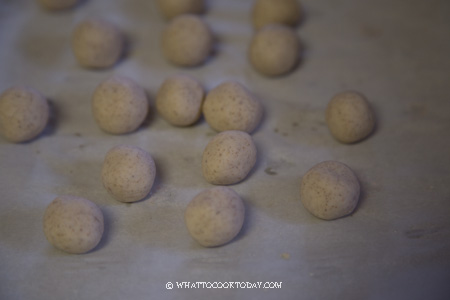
(57, 4)
(329, 190)
(180, 99)
(274, 50)
(187, 41)
(128, 173)
(173, 8)
(287, 12)
(349, 117)
(73, 224)
(230, 106)
(97, 43)
(24, 113)
(215, 216)
(119, 105)
(228, 157)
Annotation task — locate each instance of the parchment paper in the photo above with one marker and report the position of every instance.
(396, 245)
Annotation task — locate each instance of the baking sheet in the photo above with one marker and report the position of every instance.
(395, 246)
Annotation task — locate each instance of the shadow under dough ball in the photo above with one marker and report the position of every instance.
(173, 8)
(24, 113)
(73, 224)
(187, 41)
(287, 12)
(349, 117)
(97, 43)
(274, 50)
(119, 105)
(228, 157)
(329, 190)
(215, 216)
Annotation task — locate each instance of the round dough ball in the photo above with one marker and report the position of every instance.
(73, 224)
(215, 216)
(97, 43)
(187, 41)
(274, 50)
(57, 4)
(173, 8)
(119, 105)
(329, 190)
(24, 113)
(128, 173)
(228, 157)
(349, 117)
(287, 12)
(180, 99)
(230, 106)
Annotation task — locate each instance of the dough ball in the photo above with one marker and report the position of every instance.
(187, 41)
(349, 117)
(73, 224)
(97, 43)
(24, 113)
(215, 216)
(57, 4)
(119, 105)
(274, 50)
(228, 157)
(230, 106)
(287, 12)
(329, 190)
(128, 173)
(180, 99)
(173, 8)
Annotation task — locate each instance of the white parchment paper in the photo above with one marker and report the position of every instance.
(396, 245)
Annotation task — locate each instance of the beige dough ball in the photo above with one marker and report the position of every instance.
(57, 4)
(173, 8)
(274, 50)
(349, 117)
(119, 105)
(187, 41)
(24, 113)
(128, 173)
(287, 12)
(230, 106)
(97, 43)
(329, 190)
(73, 224)
(228, 157)
(215, 216)
(179, 100)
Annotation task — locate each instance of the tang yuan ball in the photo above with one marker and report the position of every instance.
(230, 106)
(73, 224)
(57, 4)
(97, 43)
(173, 8)
(274, 50)
(215, 216)
(187, 41)
(329, 190)
(287, 12)
(119, 105)
(128, 173)
(179, 100)
(349, 117)
(228, 157)
(24, 113)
